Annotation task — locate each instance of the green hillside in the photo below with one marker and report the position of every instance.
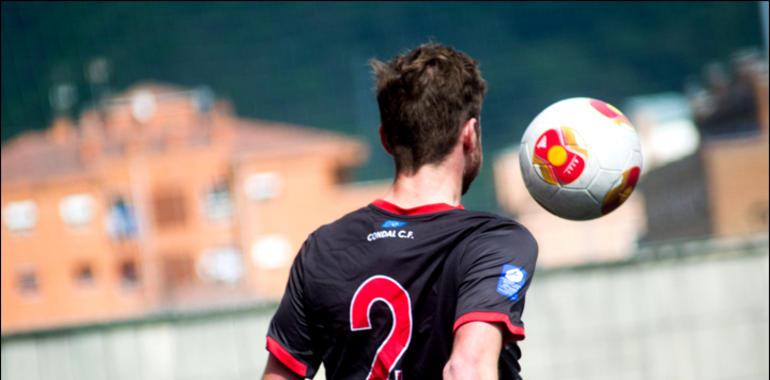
(306, 62)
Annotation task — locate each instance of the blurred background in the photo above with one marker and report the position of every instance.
(163, 162)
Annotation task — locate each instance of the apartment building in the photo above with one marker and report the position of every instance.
(162, 198)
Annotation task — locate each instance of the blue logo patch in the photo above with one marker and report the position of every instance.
(511, 280)
(393, 224)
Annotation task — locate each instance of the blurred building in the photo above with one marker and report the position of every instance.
(722, 188)
(162, 198)
(665, 125)
(670, 139)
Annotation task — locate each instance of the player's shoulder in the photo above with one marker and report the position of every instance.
(342, 231)
(490, 222)
(500, 233)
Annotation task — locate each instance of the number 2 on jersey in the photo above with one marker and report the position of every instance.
(385, 289)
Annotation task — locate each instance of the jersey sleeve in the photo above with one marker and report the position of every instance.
(494, 275)
(288, 337)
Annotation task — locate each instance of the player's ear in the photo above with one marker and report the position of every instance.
(384, 142)
(469, 135)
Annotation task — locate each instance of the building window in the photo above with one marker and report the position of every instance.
(262, 186)
(271, 251)
(84, 275)
(342, 175)
(218, 203)
(27, 281)
(121, 221)
(170, 208)
(76, 210)
(221, 265)
(129, 275)
(20, 216)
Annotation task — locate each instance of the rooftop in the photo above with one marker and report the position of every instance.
(148, 118)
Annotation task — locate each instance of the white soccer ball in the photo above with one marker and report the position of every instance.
(580, 158)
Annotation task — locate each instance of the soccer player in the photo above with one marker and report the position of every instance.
(412, 286)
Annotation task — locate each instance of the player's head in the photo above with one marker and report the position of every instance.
(430, 101)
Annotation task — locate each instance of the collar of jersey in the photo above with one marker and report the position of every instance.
(419, 210)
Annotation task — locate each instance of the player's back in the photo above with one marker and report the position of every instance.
(379, 292)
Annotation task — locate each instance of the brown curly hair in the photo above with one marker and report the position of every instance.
(425, 96)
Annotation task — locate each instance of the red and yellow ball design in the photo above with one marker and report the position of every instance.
(581, 158)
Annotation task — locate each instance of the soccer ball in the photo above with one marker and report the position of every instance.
(580, 158)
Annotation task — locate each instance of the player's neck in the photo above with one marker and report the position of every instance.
(429, 185)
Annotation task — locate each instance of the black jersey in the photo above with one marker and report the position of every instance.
(379, 293)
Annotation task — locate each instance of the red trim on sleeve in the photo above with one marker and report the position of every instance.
(286, 358)
(490, 316)
(419, 210)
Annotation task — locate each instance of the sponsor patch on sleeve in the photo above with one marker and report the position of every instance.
(511, 281)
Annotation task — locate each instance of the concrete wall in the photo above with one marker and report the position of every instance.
(702, 314)
(689, 318)
(222, 346)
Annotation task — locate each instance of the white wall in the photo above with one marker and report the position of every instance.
(692, 319)
(699, 317)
